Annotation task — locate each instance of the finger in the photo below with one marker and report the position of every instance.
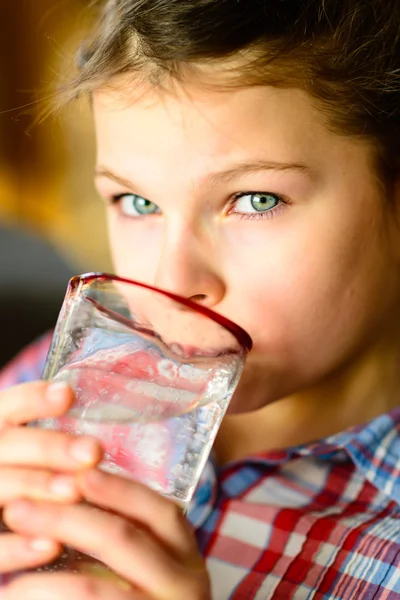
(65, 587)
(19, 553)
(36, 485)
(34, 447)
(130, 551)
(146, 507)
(30, 401)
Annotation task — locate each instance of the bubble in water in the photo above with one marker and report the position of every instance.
(168, 368)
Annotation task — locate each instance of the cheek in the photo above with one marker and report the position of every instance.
(135, 249)
(311, 287)
(280, 287)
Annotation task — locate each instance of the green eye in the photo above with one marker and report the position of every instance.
(263, 202)
(256, 202)
(136, 206)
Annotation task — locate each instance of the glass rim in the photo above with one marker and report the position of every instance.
(238, 332)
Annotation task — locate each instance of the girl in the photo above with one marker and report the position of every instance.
(248, 155)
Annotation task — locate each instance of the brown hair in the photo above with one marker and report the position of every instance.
(345, 53)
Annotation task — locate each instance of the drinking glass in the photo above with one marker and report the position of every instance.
(153, 374)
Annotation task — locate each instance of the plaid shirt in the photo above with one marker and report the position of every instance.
(319, 521)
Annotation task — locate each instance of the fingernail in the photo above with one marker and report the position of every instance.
(56, 392)
(63, 486)
(42, 545)
(85, 451)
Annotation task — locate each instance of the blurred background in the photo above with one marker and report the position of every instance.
(51, 220)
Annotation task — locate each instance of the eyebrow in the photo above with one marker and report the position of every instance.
(236, 171)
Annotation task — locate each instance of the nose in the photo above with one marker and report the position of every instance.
(188, 266)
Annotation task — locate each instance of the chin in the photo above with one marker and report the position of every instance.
(258, 388)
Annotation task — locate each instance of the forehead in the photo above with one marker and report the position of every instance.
(194, 131)
(207, 120)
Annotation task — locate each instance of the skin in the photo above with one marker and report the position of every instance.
(150, 545)
(316, 286)
(315, 282)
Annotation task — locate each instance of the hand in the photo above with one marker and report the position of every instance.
(37, 464)
(139, 534)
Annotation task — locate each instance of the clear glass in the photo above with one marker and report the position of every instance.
(153, 375)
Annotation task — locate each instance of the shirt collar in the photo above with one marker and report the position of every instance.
(374, 448)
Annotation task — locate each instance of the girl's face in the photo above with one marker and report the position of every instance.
(246, 202)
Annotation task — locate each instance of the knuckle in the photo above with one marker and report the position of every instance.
(36, 480)
(44, 439)
(41, 482)
(22, 403)
(37, 443)
(7, 433)
(123, 531)
(11, 550)
(10, 440)
(8, 551)
(173, 515)
(21, 394)
(4, 426)
(198, 588)
(22, 482)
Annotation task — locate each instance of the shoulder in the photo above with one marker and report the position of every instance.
(28, 364)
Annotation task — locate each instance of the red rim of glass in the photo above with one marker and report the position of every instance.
(240, 334)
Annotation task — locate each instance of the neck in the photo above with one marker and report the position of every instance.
(357, 393)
